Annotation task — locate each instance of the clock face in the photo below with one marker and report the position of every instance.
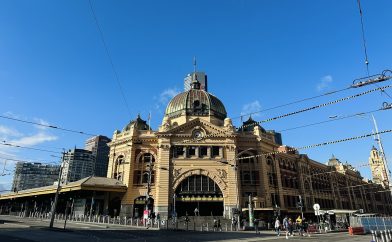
(197, 135)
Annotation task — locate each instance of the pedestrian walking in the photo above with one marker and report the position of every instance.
(277, 227)
(256, 224)
(196, 212)
(291, 227)
(298, 225)
(286, 226)
(219, 227)
(305, 226)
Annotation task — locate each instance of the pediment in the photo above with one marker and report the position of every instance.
(187, 129)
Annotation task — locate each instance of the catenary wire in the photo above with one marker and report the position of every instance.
(116, 75)
(330, 120)
(45, 125)
(317, 106)
(29, 148)
(291, 149)
(365, 45)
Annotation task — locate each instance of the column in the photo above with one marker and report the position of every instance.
(164, 192)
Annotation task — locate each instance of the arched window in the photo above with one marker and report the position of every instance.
(197, 185)
(269, 160)
(120, 160)
(146, 158)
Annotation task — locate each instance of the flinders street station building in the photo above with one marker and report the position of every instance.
(198, 162)
(198, 159)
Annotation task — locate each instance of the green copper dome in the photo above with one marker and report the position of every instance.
(196, 102)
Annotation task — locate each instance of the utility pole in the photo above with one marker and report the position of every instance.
(54, 205)
(149, 181)
(300, 205)
(250, 207)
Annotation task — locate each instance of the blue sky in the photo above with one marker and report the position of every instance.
(257, 54)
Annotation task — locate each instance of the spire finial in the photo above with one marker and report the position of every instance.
(194, 64)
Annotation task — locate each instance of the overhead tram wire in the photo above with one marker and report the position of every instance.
(116, 75)
(332, 120)
(46, 125)
(314, 145)
(29, 148)
(25, 160)
(368, 80)
(316, 106)
(365, 45)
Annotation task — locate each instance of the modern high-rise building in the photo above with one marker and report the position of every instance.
(78, 164)
(98, 145)
(31, 175)
(200, 76)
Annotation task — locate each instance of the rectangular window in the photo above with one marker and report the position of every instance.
(137, 177)
(203, 151)
(191, 151)
(255, 177)
(178, 151)
(215, 151)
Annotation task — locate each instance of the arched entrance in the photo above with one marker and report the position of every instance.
(201, 192)
(139, 205)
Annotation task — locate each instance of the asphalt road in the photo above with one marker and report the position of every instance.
(27, 230)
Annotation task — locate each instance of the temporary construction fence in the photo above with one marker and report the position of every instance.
(371, 223)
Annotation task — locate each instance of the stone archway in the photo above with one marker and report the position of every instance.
(195, 189)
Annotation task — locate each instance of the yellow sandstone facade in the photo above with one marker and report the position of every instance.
(198, 159)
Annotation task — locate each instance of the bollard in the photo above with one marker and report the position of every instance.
(207, 228)
(176, 224)
(194, 226)
(137, 222)
(226, 227)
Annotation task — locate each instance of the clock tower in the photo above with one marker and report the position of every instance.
(378, 168)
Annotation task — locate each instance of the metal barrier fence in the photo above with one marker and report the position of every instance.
(170, 224)
(381, 235)
(372, 223)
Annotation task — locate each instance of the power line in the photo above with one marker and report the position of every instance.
(331, 120)
(29, 148)
(360, 83)
(109, 56)
(317, 106)
(291, 103)
(364, 45)
(363, 37)
(24, 160)
(292, 149)
(46, 125)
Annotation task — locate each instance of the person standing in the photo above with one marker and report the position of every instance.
(277, 227)
(196, 212)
